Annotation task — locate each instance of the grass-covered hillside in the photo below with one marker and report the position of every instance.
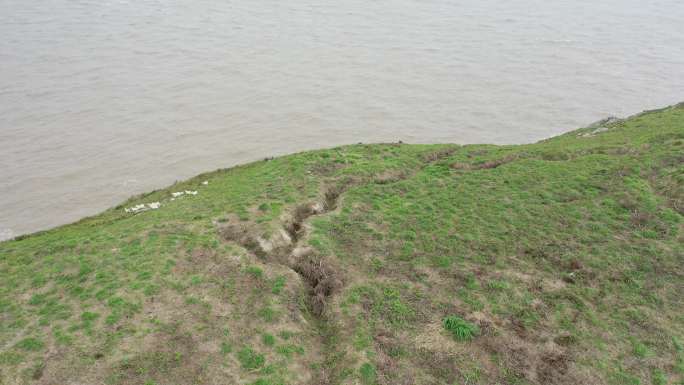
(558, 262)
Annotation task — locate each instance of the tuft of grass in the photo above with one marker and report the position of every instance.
(278, 284)
(30, 344)
(658, 377)
(268, 339)
(368, 373)
(640, 350)
(254, 271)
(289, 350)
(89, 316)
(285, 334)
(268, 314)
(497, 285)
(621, 377)
(679, 356)
(459, 328)
(226, 348)
(10, 358)
(249, 359)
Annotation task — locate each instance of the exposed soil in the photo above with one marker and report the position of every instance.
(321, 276)
(317, 272)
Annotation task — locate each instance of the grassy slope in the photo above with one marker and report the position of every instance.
(563, 259)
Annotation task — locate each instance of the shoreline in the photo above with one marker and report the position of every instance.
(371, 263)
(8, 234)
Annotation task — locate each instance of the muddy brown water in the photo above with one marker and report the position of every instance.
(100, 100)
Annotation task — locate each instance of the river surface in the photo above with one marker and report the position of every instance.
(103, 99)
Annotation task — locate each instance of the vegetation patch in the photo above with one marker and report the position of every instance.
(249, 359)
(30, 344)
(459, 328)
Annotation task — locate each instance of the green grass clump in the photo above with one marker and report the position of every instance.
(268, 314)
(658, 377)
(285, 334)
(249, 359)
(89, 316)
(278, 284)
(10, 358)
(640, 349)
(254, 271)
(288, 350)
(679, 356)
(459, 328)
(226, 347)
(368, 373)
(30, 344)
(497, 285)
(268, 339)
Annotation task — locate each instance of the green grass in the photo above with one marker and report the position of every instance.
(459, 328)
(30, 344)
(226, 348)
(278, 284)
(254, 271)
(289, 350)
(249, 359)
(268, 339)
(368, 373)
(565, 257)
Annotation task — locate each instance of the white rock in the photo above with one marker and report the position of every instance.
(177, 194)
(206, 182)
(191, 192)
(143, 207)
(137, 208)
